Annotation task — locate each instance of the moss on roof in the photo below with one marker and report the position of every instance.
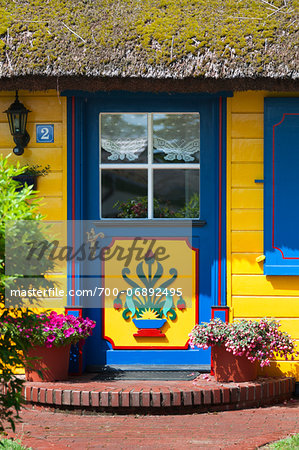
(150, 38)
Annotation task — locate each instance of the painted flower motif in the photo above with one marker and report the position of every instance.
(181, 304)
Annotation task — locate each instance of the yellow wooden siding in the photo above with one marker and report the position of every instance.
(245, 263)
(247, 198)
(265, 306)
(245, 174)
(279, 368)
(46, 107)
(247, 241)
(247, 126)
(247, 150)
(247, 219)
(251, 294)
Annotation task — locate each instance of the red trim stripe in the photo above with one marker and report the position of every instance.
(220, 202)
(73, 192)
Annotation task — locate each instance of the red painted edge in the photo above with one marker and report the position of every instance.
(220, 202)
(145, 332)
(80, 343)
(220, 308)
(73, 191)
(70, 309)
(273, 184)
(213, 309)
(185, 347)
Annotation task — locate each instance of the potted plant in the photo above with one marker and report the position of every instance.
(30, 174)
(238, 347)
(137, 208)
(51, 336)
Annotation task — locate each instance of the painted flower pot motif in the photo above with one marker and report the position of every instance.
(148, 302)
(52, 362)
(229, 367)
(149, 327)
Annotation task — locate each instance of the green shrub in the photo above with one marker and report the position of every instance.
(12, 444)
(14, 206)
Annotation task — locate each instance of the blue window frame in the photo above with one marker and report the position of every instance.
(281, 182)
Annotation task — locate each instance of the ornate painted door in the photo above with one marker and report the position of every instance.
(145, 180)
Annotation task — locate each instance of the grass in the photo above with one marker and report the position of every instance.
(11, 444)
(290, 443)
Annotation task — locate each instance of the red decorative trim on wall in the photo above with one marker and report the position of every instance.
(68, 311)
(220, 308)
(273, 185)
(73, 192)
(220, 202)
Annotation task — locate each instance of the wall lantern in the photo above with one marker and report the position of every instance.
(17, 119)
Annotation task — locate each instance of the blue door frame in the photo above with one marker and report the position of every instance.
(84, 197)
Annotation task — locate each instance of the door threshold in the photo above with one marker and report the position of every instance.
(203, 368)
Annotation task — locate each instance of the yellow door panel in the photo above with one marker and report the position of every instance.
(247, 241)
(247, 125)
(126, 313)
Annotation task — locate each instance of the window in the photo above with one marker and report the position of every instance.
(150, 165)
(281, 181)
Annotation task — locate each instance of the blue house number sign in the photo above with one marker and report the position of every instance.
(45, 133)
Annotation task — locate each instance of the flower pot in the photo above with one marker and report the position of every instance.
(229, 367)
(53, 362)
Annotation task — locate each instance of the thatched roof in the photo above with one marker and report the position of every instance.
(103, 42)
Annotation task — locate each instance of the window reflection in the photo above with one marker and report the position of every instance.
(177, 192)
(120, 190)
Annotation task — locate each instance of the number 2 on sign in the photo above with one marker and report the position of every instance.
(44, 133)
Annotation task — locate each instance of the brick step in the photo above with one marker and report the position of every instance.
(201, 395)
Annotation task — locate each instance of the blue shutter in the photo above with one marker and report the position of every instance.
(281, 183)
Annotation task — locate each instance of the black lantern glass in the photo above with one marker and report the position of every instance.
(17, 119)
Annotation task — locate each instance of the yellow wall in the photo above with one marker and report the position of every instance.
(46, 107)
(250, 294)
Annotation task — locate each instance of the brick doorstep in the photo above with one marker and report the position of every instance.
(145, 396)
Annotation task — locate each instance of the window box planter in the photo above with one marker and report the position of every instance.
(30, 180)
